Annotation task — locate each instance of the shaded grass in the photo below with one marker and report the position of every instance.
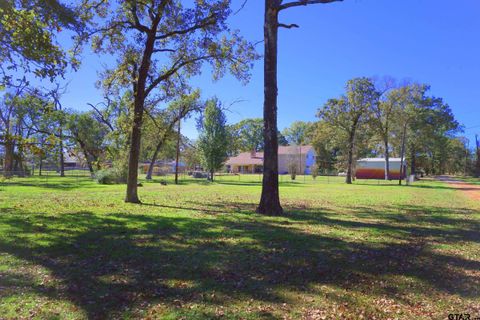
(74, 250)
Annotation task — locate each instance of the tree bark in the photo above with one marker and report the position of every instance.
(270, 198)
(62, 158)
(134, 155)
(177, 152)
(155, 153)
(387, 159)
(40, 165)
(152, 161)
(8, 163)
(413, 163)
(135, 137)
(351, 146)
(87, 157)
(402, 154)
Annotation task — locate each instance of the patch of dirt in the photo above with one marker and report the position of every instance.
(471, 190)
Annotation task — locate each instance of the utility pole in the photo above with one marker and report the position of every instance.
(467, 152)
(477, 142)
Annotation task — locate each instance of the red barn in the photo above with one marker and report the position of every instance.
(374, 168)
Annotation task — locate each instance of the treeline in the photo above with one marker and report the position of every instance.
(371, 119)
(384, 119)
(36, 130)
(156, 50)
(376, 118)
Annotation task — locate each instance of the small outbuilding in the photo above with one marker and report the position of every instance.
(374, 168)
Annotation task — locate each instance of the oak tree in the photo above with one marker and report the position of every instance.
(159, 44)
(270, 198)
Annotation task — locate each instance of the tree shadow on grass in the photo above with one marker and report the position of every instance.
(108, 263)
(416, 186)
(67, 183)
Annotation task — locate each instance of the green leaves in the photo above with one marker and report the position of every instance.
(28, 30)
(213, 140)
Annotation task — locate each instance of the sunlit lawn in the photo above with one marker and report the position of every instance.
(70, 248)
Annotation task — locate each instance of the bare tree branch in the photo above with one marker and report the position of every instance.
(304, 3)
(102, 117)
(241, 7)
(208, 21)
(288, 26)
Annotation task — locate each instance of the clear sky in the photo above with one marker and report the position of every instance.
(431, 41)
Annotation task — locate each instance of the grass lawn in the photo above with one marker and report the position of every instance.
(71, 249)
(471, 180)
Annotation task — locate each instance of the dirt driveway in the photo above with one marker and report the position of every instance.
(471, 190)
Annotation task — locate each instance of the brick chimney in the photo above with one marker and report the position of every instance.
(253, 153)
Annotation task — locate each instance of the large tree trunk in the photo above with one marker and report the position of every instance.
(270, 198)
(9, 158)
(402, 154)
(19, 162)
(136, 133)
(160, 143)
(152, 161)
(88, 158)
(132, 178)
(413, 163)
(387, 160)
(40, 165)
(155, 153)
(351, 146)
(177, 152)
(62, 158)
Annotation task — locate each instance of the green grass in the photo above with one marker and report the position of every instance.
(71, 249)
(470, 180)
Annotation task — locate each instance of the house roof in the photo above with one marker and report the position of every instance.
(249, 158)
(246, 158)
(294, 149)
(380, 160)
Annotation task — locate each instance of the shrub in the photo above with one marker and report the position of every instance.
(314, 171)
(292, 169)
(110, 176)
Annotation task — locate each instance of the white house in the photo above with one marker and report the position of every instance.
(252, 162)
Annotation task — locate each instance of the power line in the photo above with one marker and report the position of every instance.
(469, 128)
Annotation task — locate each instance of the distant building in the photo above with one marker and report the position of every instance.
(252, 162)
(71, 160)
(163, 167)
(374, 168)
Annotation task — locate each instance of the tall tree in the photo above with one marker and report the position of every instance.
(349, 112)
(60, 119)
(299, 133)
(10, 116)
(248, 134)
(381, 120)
(328, 141)
(178, 110)
(159, 45)
(213, 140)
(90, 136)
(270, 198)
(28, 36)
(22, 111)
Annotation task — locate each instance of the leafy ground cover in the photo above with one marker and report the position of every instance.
(71, 249)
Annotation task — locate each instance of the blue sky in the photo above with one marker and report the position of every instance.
(431, 41)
